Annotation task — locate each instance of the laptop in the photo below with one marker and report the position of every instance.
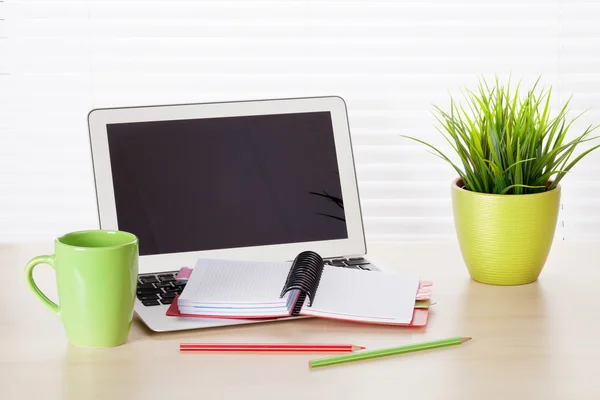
(259, 180)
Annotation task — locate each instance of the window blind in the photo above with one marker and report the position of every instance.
(390, 60)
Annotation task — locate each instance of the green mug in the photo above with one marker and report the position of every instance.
(96, 278)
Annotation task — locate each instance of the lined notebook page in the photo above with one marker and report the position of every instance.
(231, 282)
(364, 296)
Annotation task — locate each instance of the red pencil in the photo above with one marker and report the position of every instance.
(268, 347)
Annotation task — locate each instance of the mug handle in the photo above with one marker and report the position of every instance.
(34, 288)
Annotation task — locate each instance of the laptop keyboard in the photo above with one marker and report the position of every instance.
(161, 289)
(157, 289)
(353, 262)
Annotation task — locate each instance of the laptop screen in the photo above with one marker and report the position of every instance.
(220, 183)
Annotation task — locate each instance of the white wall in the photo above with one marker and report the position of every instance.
(390, 61)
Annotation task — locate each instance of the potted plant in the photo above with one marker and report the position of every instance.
(511, 157)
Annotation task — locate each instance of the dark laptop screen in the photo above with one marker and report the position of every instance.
(204, 184)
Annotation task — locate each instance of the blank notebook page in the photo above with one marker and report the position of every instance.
(234, 282)
(364, 296)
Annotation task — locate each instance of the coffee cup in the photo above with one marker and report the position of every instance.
(96, 278)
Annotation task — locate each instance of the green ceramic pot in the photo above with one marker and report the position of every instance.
(504, 239)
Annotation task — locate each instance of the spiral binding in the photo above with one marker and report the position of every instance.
(305, 275)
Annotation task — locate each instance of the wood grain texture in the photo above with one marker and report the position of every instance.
(537, 341)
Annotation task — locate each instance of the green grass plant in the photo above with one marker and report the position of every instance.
(506, 140)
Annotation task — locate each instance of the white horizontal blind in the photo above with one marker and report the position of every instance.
(579, 66)
(389, 60)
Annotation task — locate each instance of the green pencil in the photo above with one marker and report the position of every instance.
(366, 354)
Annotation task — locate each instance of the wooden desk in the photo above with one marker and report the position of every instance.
(539, 341)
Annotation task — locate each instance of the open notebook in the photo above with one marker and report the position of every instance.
(306, 287)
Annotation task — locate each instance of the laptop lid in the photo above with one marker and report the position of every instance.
(251, 180)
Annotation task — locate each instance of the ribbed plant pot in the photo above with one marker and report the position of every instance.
(504, 239)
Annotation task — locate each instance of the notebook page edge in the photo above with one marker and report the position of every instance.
(204, 265)
(398, 316)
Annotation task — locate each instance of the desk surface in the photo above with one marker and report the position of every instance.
(538, 341)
